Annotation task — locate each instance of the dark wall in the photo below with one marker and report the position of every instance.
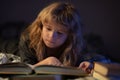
(101, 17)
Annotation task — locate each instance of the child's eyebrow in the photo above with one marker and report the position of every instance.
(64, 29)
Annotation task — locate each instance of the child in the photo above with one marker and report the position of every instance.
(54, 38)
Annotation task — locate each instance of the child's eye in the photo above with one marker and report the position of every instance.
(48, 29)
(59, 33)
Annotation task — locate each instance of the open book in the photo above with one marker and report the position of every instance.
(22, 68)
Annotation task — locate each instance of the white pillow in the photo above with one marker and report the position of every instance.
(7, 57)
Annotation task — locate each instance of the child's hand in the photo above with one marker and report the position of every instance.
(50, 61)
(86, 66)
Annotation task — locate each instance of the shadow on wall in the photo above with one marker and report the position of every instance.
(9, 36)
(95, 44)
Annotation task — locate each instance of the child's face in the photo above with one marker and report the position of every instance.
(53, 34)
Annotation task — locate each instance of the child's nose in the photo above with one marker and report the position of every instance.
(53, 35)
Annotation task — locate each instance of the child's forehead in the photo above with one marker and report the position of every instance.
(55, 24)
